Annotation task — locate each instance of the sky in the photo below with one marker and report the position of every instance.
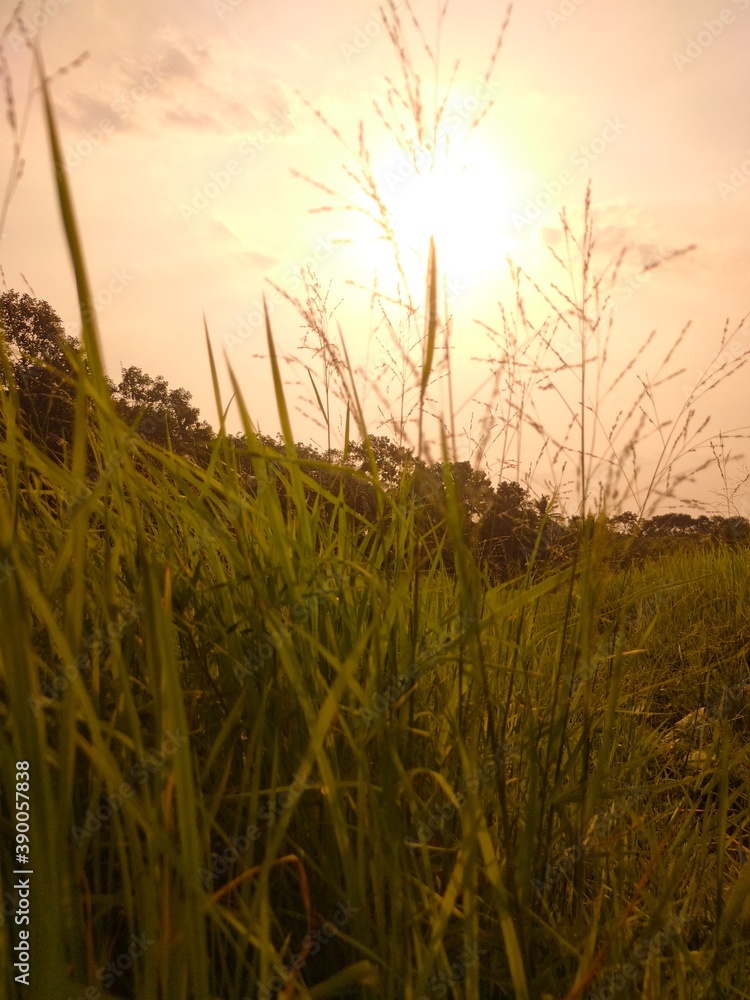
(203, 139)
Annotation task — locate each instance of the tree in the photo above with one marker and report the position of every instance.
(669, 525)
(507, 530)
(39, 355)
(625, 523)
(40, 362)
(390, 458)
(166, 416)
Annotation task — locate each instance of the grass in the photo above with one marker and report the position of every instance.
(291, 728)
(272, 754)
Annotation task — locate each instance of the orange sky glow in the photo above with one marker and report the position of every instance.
(204, 141)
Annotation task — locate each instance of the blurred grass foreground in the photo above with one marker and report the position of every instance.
(286, 742)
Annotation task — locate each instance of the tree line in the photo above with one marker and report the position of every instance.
(503, 524)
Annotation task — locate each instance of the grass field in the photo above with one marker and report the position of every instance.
(270, 754)
(256, 743)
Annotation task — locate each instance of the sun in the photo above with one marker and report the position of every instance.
(462, 202)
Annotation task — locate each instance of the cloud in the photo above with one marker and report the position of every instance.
(222, 230)
(84, 111)
(186, 118)
(226, 87)
(616, 224)
(176, 63)
(257, 259)
(214, 87)
(121, 94)
(251, 256)
(214, 106)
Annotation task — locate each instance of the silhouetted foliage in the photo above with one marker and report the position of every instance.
(502, 525)
(163, 416)
(38, 354)
(508, 530)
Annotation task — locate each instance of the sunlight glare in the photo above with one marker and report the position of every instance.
(462, 203)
